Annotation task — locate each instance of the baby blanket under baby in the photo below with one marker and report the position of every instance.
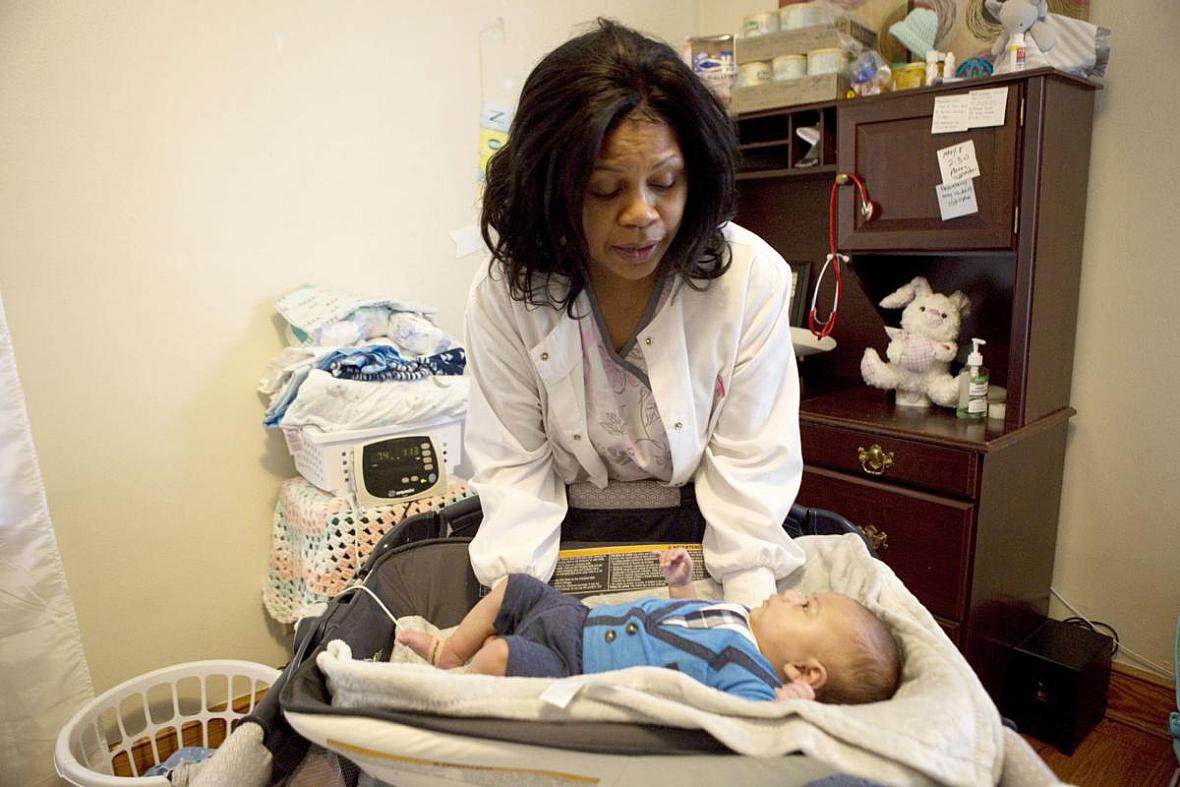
(940, 725)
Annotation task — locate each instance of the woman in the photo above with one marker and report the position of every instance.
(624, 333)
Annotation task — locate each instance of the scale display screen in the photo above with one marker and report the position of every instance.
(397, 469)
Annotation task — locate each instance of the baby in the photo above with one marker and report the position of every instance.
(826, 647)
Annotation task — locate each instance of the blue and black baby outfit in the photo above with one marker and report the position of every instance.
(550, 634)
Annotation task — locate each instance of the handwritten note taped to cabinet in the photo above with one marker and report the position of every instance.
(987, 108)
(957, 199)
(958, 162)
(950, 113)
(974, 109)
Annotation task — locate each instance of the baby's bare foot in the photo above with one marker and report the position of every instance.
(433, 649)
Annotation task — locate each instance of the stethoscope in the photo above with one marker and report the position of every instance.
(868, 211)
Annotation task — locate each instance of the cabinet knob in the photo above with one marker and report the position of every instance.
(878, 538)
(874, 461)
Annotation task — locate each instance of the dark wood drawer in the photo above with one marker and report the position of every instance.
(927, 544)
(908, 462)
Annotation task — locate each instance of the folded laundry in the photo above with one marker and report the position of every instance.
(371, 363)
(331, 404)
(379, 362)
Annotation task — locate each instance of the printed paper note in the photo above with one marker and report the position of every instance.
(311, 308)
(958, 162)
(950, 113)
(957, 199)
(987, 107)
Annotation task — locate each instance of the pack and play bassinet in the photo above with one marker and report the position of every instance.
(421, 569)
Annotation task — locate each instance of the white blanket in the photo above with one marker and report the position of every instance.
(334, 404)
(940, 726)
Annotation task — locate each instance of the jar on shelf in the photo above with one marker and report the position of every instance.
(787, 67)
(908, 75)
(754, 73)
(830, 60)
(760, 24)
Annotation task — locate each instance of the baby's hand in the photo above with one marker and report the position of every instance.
(795, 690)
(675, 565)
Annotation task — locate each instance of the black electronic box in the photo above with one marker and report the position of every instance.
(1057, 684)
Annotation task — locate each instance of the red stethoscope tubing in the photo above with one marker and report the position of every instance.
(824, 327)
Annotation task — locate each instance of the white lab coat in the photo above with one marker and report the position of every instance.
(526, 420)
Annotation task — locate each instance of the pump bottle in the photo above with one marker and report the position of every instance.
(973, 386)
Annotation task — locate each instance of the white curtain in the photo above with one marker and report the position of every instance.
(44, 678)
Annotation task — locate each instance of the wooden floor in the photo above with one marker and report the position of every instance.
(1113, 755)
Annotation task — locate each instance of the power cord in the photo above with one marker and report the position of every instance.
(1094, 625)
(362, 588)
(1143, 660)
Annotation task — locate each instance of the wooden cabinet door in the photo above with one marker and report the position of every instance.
(889, 145)
(927, 537)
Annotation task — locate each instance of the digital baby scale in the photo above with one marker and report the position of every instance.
(397, 469)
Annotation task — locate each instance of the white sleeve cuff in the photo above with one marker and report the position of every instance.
(750, 587)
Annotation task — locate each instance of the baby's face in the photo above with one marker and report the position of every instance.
(791, 627)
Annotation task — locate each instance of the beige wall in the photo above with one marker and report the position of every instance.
(1119, 539)
(166, 171)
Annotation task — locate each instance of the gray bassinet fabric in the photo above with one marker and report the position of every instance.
(940, 727)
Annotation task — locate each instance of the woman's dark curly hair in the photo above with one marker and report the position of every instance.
(575, 96)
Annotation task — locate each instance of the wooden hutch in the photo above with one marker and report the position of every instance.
(964, 512)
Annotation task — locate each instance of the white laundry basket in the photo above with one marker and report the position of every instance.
(127, 730)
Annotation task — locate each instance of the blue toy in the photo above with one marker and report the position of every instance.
(974, 68)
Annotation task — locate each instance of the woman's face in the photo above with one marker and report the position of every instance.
(634, 202)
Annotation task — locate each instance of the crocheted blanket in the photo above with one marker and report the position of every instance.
(318, 542)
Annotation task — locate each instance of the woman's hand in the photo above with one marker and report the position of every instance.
(676, 566)
(795, 690)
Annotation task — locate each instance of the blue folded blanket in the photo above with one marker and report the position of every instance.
(372, 363)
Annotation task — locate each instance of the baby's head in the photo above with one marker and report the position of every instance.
(830, 641)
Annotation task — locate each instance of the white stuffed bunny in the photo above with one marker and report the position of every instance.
(921, 350)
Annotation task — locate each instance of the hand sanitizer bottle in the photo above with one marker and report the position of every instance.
(973, 386)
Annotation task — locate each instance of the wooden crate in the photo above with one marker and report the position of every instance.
(834, 35)
(770, 95)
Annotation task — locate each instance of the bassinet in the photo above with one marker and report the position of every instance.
(421, 568)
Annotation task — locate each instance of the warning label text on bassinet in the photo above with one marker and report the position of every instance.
(583, 572)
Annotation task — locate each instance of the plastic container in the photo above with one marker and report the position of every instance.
(909, 75)
(973, 381)
(826, 61)
(325, 458)
(711, 59)
(933, 73)
(1017, 52)
(755, 73)
(788, 67)
(948, 68)
(127, 730)
(760, 23)
(797, 15)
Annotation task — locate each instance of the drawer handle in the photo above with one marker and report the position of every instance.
(878, 538)
(874, 461)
